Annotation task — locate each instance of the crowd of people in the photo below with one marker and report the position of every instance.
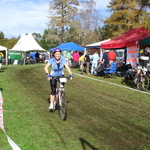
(90, 63)
(84, 62)
(36, 58)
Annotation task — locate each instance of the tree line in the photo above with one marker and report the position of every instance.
(79, 21)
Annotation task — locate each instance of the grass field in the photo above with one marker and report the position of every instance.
(100, 116)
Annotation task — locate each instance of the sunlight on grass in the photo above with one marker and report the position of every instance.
(100, 116)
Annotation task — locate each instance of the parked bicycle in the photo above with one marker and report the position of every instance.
(143, 80)
(60, 101)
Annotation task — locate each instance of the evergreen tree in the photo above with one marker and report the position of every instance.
(62, 14)
(9, 43)
(104, 31)
(2, 35)
(143, 4)
(125, 15)
(37, 36)
(50, 39)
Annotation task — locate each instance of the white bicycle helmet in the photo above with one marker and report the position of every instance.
(147, 49)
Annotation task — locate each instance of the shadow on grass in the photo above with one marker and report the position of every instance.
(48, 100)
(2, 69)
(129, 83)
(86, 145)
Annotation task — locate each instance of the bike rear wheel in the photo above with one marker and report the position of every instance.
(143, 83)
(62, 106)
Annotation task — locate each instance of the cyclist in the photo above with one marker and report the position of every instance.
(57, 63)
(142, 61)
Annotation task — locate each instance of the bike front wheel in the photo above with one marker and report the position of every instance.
(143, 83)
(62, 106)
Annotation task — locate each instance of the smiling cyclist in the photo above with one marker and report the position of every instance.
(57, 63)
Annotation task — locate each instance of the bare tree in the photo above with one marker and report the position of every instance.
(62, 13)
(87, 21)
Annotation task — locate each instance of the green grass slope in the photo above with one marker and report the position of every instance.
(100, 116)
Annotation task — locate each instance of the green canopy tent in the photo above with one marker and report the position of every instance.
(15, 55)
(145, 41)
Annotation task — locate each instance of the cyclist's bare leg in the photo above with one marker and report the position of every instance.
(137, 74)
(51, 107)
(52, 97)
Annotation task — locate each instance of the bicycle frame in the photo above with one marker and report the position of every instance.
(143, 81)
(60, 88)
(60, 98)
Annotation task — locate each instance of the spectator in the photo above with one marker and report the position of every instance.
(111, 56)
(75, 58)
(46, 60)
(105, 59)
(32, 61)
(95, 58)
(81, 59)
(87, 62)
(37, 56)
(0, 61)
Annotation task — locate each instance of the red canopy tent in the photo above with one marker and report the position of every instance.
(130, 38)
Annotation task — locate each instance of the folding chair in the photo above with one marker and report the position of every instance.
(111, 70)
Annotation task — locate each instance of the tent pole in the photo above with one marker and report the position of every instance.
(101, 54)
(24, 58)
(85, 51)
(23, 55)
(6, 57)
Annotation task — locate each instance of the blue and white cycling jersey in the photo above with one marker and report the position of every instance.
(57, 70)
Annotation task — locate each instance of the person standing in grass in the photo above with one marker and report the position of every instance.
(111, 56)
(37, 56)
(95, 58)
(0, 61)
(105, 59)
(57, 63)
(75, 58)
(81, 59)
(87, 62)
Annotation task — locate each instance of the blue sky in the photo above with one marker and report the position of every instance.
(18, 17)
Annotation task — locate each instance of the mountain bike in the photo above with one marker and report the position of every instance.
(60, 101)
(143, 80)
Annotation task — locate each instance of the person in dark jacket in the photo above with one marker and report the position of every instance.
(37, 56)
(87, 62)
(105, 59)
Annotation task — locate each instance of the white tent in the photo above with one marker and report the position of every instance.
(27, 43)
(2, 48)
(96, 45)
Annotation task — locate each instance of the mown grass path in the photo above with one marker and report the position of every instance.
(100, 116)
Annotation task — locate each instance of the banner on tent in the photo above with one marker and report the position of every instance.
(15, 55)
(132, 53)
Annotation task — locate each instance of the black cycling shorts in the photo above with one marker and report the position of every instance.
(53, 84)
